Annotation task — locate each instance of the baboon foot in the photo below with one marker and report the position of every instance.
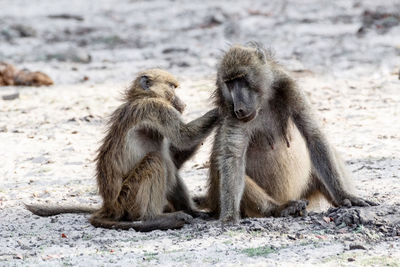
(294, 208)
(184, 217)
(200, 214)
(357, 201)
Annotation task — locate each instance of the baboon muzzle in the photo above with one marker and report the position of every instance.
(242, 103)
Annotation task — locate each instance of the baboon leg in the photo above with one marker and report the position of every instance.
(143, 198)
(169, 208)
(319, 198)
(181, 200)
(143, 192)
(317, 185)
(257, 203)
(134, 201)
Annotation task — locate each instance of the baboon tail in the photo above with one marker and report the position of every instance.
(201, 202)
(43, 210)
(140, 226)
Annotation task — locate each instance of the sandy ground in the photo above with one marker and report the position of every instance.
(346, 61)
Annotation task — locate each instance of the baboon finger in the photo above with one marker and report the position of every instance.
(356, 201)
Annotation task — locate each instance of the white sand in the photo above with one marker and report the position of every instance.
(49, 136)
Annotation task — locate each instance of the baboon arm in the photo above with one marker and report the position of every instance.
(179, 196)
(182, 136)
(321, 155)
(180, 156)
(325, 164)
(43, 210)
(232, 145)
(181, 200)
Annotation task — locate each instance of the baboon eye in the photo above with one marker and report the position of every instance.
(173, 86)
(229, 84)
(145, 82)
(241, 81)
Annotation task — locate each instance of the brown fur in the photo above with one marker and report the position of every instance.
(138, 162)
(268, 152)
(11, 76)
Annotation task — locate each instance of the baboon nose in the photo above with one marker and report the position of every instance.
(240, 113)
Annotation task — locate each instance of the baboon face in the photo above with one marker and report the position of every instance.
(163, 84)
(241, 82)
(243, 99)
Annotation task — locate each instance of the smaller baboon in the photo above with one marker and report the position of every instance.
(269, 153)
(138, 162)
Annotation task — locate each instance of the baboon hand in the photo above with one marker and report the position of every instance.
(294, 208)
(357, 201)
(200, 214)
(181, 216)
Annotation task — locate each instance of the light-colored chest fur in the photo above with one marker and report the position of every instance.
(139, 143)
(279, 169)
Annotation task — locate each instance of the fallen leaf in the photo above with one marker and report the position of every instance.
(326, 219)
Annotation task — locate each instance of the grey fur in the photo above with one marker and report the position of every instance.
(266, 165)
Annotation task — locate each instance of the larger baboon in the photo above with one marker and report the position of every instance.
(138, 162)
(268, 152)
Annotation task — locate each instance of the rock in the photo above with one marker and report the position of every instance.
(66, 16)
(380, 21)
(18, 256)
(183, 64)
(175, 50)
(348, 217)
(24, 30)
(10, 96)
(366, 216)
(16, 31)
(356, 246)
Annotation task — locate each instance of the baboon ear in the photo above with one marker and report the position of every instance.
(145, 82)
(261, 54)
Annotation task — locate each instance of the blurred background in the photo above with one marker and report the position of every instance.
(77, 41)
(345, 54)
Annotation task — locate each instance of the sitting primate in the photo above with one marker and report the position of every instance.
(268, 152)
(137, 164)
